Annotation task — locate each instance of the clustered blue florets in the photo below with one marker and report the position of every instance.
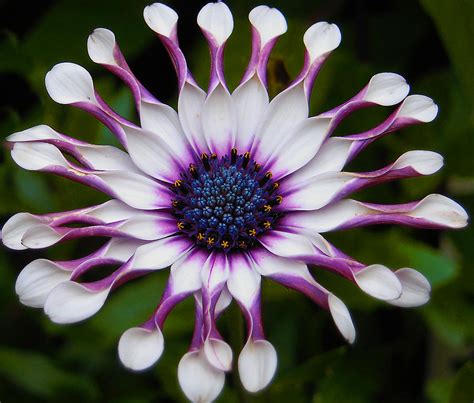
(225, 203)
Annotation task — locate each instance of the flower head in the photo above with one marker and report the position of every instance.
(231, 188)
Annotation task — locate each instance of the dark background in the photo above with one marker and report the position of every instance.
(417, 355)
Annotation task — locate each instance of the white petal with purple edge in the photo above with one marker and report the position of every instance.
(68, 83)
(415, 289)
(15, 228)
(321, 38)
(423, 162)
(418, 107)
(257, 364)
(386, 89)
(199, 380)
(37, 279)
(286, 244)
(441, 210)
(379, 282)
(100, 46)
(218, 353)
(342, 318)
(37, 156)
(140, 348)
(71, 302)
(216, 19)
(269, 22)
(160, 18)
(40, 132)
(40, 236)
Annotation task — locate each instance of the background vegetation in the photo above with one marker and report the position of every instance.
(418, 355)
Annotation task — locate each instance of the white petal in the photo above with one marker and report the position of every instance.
(219, 121)
(223, 302)
(331, 157)
(37, 279)
(199, 380)
(160, 254)
(386, 89)
(269, 22)
(100, 46)
(285, 112)
(243, 283)
(149, 226)
(121, 249)
(37, 156)
(251, 101)
(286, 244)
(316, 192)
(107, 158)
(257, 365)
(216, 19)
(185, 273)
(190, 104)
(40, 236)
(68, 83)
(40, 132)
(379, 282)
(423, 162)
(441, 210)
(136, 190)
(415, 289)
(151, 154)
(71, 302)
(269, 264)
(326, 218)
(15, 228)
(321, 38)
(111, 211)
(218, 353)
(302, 146)
(140, 348)
(418, 107)
(164, 121)
(160, 18)
(342, 318)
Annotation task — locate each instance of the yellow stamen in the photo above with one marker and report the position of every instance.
(180, 225)
(210, 241)
(279, 199)
(267, 208)
(252, 232)
(267, 224)
(200, 236)
(225, 244)
(178, 183)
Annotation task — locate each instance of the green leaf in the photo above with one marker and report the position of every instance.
(39, 376)
(463, 388)
(455, 22)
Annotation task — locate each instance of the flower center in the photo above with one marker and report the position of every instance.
(225, 203)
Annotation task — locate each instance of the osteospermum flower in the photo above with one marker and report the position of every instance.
(230, 188)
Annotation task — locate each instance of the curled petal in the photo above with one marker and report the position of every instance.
(199, 380)
(215, 19)
(140, 348)
(386, 89)
(161, 19)
(15, 228)
(320, 39)
(71, 302)
(268, 22)
(101, 46)
(37, 279)
(218, 353)
(415, 289)
(69, 83)
(257, 364)
(342, 318)
(379, 282)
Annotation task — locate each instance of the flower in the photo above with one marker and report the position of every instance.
(230, 188)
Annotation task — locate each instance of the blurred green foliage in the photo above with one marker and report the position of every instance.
(419, 355)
